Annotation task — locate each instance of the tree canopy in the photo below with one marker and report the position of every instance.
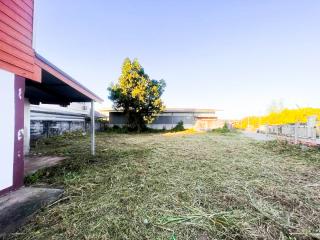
(285, 116)
(137, 95)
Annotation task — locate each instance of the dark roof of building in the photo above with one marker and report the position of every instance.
(177, 110)
(183, 110)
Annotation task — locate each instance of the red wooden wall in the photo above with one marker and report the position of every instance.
(16, 32)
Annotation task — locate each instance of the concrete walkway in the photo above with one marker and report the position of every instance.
(266, 137)
(18, 206)
(258, 136)
(35, 163)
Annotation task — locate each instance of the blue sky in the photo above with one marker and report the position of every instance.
(235, 55)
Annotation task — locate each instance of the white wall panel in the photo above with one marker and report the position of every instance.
(7, 124)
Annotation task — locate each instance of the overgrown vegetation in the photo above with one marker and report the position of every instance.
(178, 186)
(286, 149)
(116, 129)
(225, 129)
(179, 127)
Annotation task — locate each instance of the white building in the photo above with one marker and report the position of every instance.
(200, 119)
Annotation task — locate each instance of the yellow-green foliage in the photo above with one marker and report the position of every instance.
(285, 116)
(137, 94)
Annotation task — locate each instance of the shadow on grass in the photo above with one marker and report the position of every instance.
(76, 147)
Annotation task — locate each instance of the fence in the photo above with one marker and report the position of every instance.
(297, 133)
(42, 129)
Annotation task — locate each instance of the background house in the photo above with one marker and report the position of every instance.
(200, 119)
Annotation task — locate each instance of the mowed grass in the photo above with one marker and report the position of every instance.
(178, 186)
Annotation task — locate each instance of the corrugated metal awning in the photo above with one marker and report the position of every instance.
(56, 87)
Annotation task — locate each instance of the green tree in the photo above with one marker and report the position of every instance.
(137, 95)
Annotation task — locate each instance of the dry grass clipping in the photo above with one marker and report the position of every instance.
(191, 186)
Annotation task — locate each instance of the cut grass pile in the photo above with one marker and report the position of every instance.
(181, 186)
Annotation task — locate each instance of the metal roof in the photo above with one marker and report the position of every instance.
(183, 110)
(173, 110)
(56, 86)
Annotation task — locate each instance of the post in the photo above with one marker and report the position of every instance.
(18, 174)
(296, 134)
(27, 124)
(92, 129)
(172, 120)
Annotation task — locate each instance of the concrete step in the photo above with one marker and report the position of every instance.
(17, 207)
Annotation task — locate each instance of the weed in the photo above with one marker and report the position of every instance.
(179, 127)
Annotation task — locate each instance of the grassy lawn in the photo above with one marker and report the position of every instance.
(178, 186)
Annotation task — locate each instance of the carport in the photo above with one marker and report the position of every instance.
(26, 77)
(50, 85)
(57, 87)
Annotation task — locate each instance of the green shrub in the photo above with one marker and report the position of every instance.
(58, 139)
(225, 126)
(222, 130)
(179, 127)
(117, 129)
(33, 178)
(125, 129)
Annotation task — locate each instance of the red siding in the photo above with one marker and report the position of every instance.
(16, 32)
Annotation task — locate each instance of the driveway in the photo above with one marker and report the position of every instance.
(258, 136)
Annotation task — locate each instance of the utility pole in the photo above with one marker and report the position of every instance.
(92, 130)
